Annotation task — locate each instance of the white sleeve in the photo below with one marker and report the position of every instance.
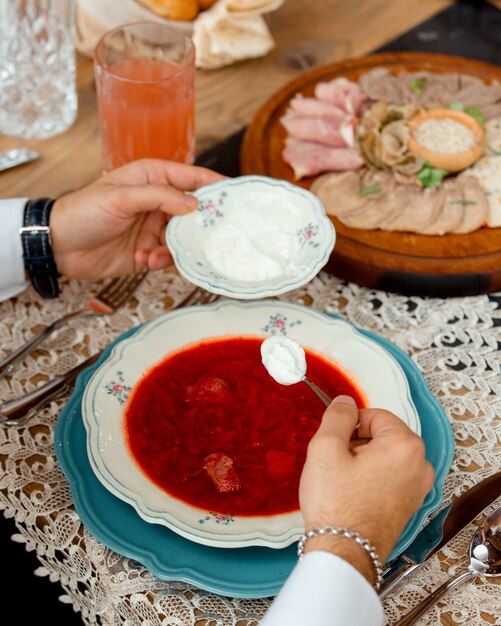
(325, 590)
(12, 277)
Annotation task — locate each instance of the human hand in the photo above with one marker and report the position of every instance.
(116, 225)
(373, 488)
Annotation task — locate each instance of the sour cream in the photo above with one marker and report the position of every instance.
(253, 243)
(284, 359)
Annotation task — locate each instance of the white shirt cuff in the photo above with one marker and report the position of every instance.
(325, 589)
(12, 276)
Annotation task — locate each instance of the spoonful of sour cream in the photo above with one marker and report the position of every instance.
(285, 361)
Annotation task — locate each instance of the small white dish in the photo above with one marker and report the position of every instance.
(251, 237)
(376, 373)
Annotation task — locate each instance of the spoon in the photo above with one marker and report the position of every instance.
(485, 560)
(285, 361)
(321, 394)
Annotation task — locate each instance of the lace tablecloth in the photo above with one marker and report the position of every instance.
(455, 342)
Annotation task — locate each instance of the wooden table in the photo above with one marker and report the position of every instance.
(308, 33)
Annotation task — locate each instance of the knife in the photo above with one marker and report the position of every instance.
(19, 411)
(442, 528)
(17, 156)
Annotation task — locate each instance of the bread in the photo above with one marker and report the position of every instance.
(185, 10)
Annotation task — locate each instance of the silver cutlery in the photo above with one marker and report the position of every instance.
(17, 156)
(112, 296)
(485, 561)
(320, 393)
(20, 410)
(442, 528)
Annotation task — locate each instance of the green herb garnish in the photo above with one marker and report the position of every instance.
(476, 114)
(418, 85)
(473, 111)
(463, 202)
(430, 176)
(371, 189)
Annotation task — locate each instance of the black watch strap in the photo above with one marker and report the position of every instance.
(37, 250)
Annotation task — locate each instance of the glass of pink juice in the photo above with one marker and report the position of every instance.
(145, 75)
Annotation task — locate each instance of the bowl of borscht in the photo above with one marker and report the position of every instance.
(185, 424)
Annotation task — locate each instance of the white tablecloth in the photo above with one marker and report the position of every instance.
(455, 342)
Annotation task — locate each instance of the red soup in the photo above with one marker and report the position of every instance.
(211, 427)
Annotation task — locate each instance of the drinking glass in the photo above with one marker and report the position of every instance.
(145, 74)
(38, 97)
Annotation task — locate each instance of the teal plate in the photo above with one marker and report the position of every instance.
(253, 572)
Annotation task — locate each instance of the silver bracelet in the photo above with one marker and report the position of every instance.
(347, 534)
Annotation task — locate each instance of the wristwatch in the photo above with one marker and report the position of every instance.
(37, 250)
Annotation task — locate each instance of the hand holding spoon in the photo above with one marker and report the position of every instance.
(485, 560)
(285, 361)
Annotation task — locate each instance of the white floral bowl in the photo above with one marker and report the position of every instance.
(377, 375)
(251, 237)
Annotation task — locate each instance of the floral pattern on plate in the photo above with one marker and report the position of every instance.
(209, 210)
(118, 388)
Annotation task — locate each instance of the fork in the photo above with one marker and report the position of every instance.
(109, 299)
(18, 411)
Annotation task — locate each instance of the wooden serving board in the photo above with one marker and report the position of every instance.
(407, 263)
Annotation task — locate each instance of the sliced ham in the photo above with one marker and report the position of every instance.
(417, 210)
(371, 213)
(383, 204)
(478, 95)
(339, 192)
(435, 89)
(421, 87)
(381, 84)
(320, 143)
(343, 93)
(490, 111)
(451, 212)
(308, 158)
(343, 196)
(323, 130)
(317, 108)
(475, 204)
(443, 89)
(457, 206)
